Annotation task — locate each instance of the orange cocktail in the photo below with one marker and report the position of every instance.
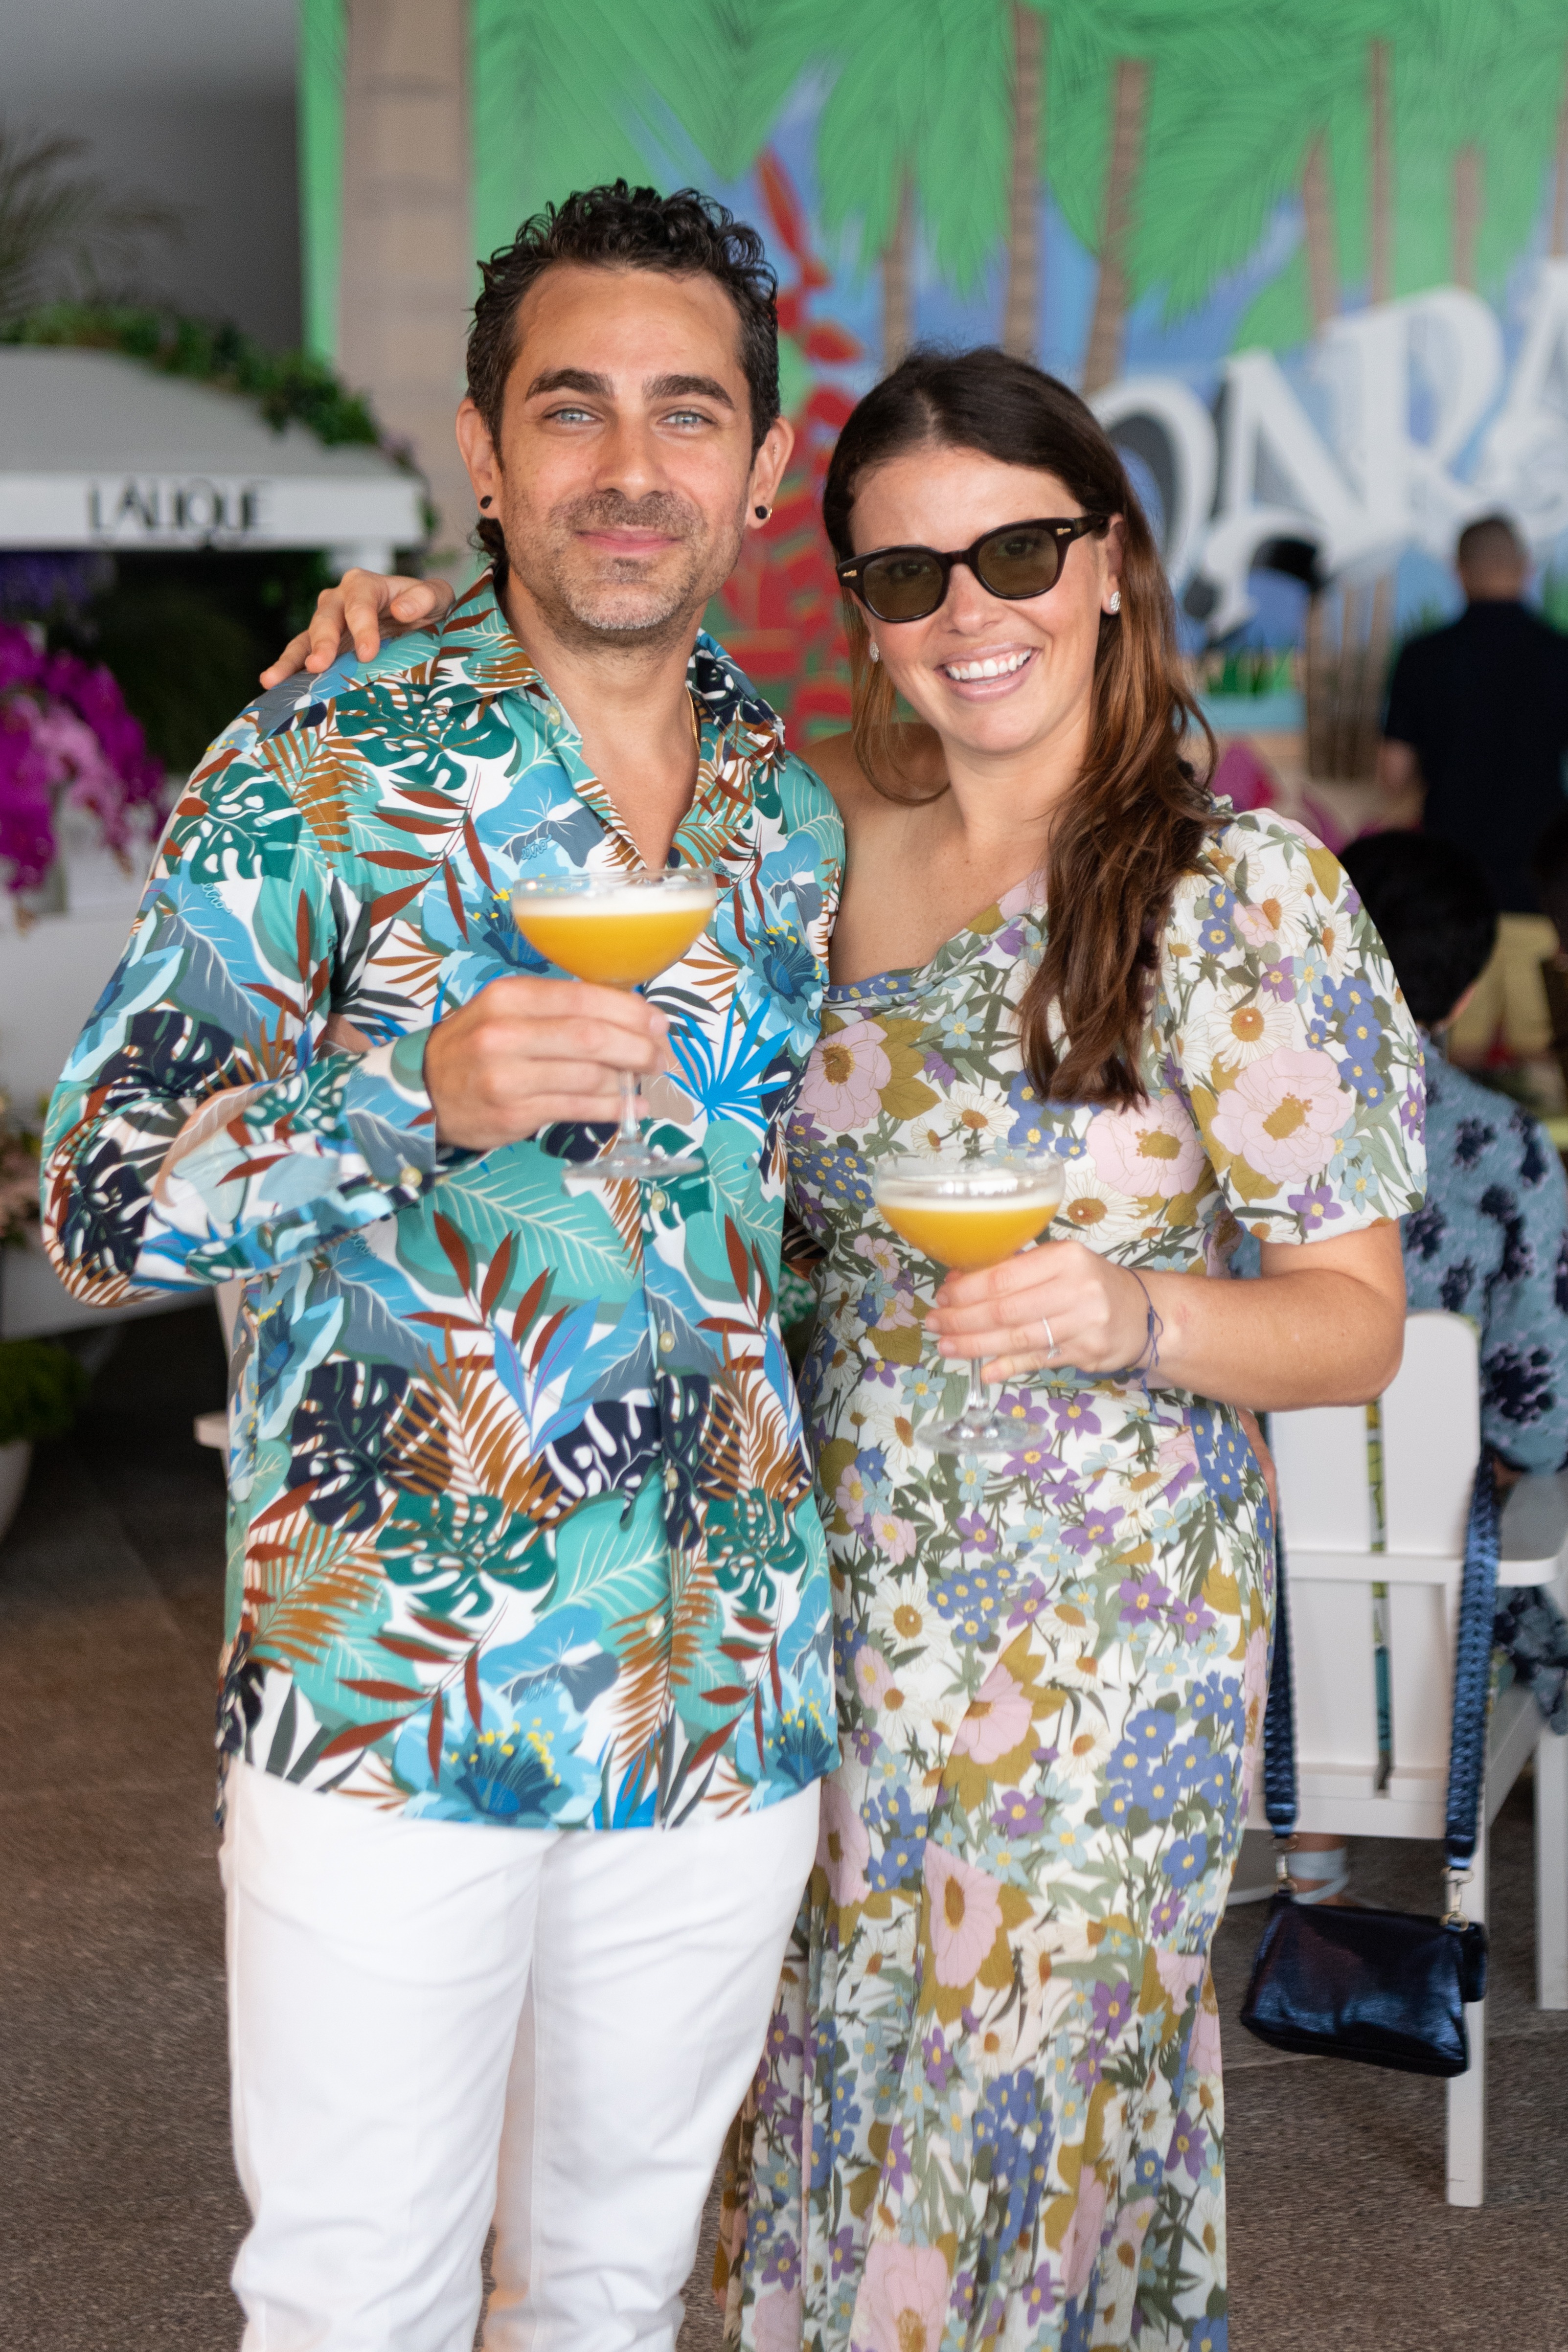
(969, 1232)
(970, 1213)
(619, 930)
(617, 939)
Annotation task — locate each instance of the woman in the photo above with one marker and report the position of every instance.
(997, 2037)
(990, 2110)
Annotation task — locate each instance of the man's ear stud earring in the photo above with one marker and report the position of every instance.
(761, 513)
(487, 502)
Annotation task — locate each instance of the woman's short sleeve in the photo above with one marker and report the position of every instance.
(1290, 1038)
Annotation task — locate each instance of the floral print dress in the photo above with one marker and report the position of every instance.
(990, 2111)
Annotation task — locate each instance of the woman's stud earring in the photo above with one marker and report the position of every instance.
(761, 513)
(487, 502)
(876, 650)
(1115, 599)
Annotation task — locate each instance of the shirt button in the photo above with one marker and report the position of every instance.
(672, 1477)
(408, 1179)
(666, 1342)
(657, 1200)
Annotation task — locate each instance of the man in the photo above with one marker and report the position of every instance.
(526, 1688)
(1478, 713)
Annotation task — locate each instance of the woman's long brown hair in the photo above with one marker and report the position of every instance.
(1140, 812)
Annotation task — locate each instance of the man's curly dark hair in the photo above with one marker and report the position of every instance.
(688, 234)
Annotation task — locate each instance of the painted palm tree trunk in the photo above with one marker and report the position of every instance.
(1020, 312)
(1318, 210)
(1469, 197)
(1382, 224)
(1559, 245)
(1107, 328)
(898, 277)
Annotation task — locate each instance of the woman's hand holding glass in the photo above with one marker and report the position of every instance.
(1098, 1314)
(969, 1212)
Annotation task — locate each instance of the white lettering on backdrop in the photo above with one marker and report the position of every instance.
(1419, 433)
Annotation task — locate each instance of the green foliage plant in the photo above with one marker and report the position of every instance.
(288, 387)
(42, 1389)
(57, 221)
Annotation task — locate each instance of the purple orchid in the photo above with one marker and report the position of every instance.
(64, 730)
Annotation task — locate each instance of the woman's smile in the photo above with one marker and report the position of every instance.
(987, 677)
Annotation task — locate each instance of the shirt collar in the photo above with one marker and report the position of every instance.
(478, 654)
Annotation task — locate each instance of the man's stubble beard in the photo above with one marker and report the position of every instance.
(607, 613)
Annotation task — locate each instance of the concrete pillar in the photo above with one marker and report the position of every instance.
(408, 283)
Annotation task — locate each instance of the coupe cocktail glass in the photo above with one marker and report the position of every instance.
(619, 930)
(970, 1213)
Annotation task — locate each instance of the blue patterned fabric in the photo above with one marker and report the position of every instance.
(521, 1526)
(1490, 1242)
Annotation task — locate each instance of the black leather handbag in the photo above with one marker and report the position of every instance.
(1388, 1988)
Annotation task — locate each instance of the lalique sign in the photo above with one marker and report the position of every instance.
(155, 509)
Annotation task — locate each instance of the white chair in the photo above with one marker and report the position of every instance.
(1430, 1420)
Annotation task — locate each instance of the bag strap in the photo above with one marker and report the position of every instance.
(1472, 1668)
(1280, 1799)
(1472, 1676)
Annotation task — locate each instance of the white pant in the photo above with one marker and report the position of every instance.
(378, 1968)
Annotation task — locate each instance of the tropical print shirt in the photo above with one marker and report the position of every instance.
(520, 1515)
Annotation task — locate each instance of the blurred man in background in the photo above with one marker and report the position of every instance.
(1477, 716)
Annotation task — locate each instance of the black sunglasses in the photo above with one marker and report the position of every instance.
(1021, 559)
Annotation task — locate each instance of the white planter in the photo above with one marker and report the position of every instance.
(16, 1461)
(95, 882)
(51, 977)
(35, 1303)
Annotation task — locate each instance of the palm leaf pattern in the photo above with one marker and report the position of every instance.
(455, 1373)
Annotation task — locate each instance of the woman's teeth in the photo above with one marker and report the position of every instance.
(997, 666)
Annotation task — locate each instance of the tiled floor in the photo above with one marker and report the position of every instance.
(119, 2213)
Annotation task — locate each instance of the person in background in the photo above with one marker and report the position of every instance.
(1477, 715)
(1491, 1240)
(1550, 869)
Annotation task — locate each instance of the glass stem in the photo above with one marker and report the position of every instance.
(979, 1404)
(631, 1128)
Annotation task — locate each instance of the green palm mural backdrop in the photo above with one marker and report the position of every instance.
(1264, 239)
